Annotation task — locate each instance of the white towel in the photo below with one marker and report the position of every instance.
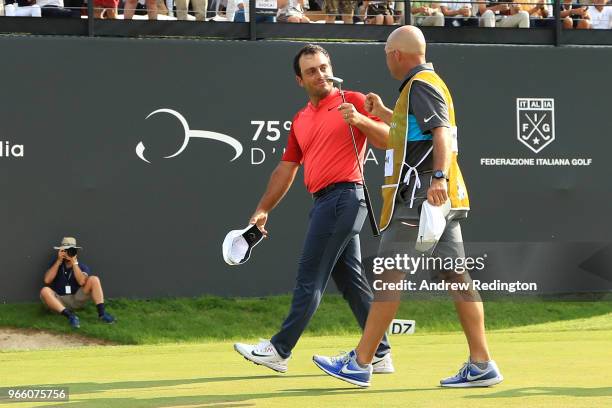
(431, 225)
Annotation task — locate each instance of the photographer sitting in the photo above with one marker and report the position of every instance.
(68, 285)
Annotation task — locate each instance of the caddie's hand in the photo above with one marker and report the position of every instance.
(260, 218)
(374, 105)
(349, 114)
(437, 192)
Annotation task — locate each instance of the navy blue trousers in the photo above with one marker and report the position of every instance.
(331, 249)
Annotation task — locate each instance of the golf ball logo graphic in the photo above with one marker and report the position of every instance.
(189, 133)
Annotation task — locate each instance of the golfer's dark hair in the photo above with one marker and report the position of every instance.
(308, 49)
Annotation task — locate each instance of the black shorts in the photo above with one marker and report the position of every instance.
(399, 240)
(400, 237)
(576, 20)
(379, 9)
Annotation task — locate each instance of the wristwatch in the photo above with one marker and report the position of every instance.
(439, 174)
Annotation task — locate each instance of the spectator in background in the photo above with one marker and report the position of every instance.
(502, 14)
(22, 8)
(242, 14)
(398, 11)
(574, 16)
(162, 8)
(54, 8)
(601, 15)
(426, 14)
(456, 12)
(130, 8)
(106, 9)
(378, 12)
(291, 11)
(69, 285)
(335, 8)
(38, 8)
(199, 7)
(539, 12)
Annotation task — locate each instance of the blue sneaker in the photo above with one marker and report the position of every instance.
(74, 321)
(107, 318)
(471, 376)
(344, 367)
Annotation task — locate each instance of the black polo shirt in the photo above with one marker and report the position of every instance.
(66, 277)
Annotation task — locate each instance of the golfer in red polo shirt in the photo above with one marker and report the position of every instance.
(320, 140)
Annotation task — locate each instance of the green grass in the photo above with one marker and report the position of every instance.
(553, 355)
(543, 368)
(214, 318)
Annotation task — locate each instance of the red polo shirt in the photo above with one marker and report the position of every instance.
(320, 140)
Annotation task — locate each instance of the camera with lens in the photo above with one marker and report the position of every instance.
(71, 252)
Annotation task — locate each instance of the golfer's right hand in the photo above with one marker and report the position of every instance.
(374, 105)
(260, 218)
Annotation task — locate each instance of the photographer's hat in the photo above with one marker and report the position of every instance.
(238, 244)
(68, 242)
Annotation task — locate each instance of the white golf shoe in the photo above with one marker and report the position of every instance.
(383, 365)
(264, 354)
